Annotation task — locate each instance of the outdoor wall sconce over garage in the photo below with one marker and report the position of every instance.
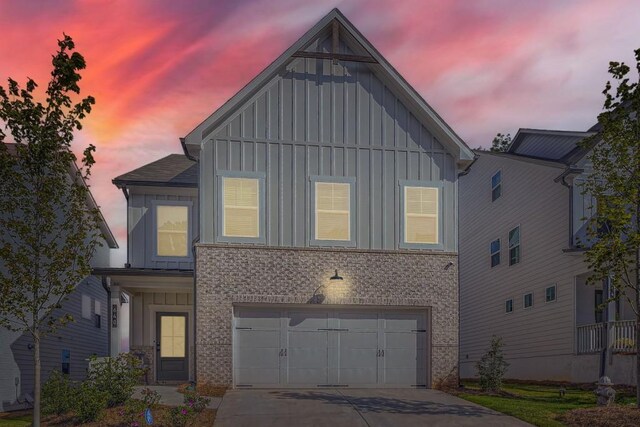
(336, 276)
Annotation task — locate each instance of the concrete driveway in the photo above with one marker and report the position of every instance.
(353, 408)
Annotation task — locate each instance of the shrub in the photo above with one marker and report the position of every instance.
(180, 416)
(90, 401)
(492, 366)
(133, 411)
(195, 401)
(116, 376)
(58, 394)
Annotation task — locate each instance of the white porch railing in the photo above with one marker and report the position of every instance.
(622, 337)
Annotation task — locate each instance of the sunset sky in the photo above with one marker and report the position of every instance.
(157, 67)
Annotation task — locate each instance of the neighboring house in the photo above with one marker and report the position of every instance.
(321, 202)
(69, 348)
(523, 216)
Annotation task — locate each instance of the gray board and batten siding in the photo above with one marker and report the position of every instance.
(142, 231)
(316, 118)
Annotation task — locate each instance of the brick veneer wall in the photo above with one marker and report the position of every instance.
(227, 275)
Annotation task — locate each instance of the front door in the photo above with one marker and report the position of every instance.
(172, 362)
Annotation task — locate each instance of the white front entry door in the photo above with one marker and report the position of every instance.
(318, 347)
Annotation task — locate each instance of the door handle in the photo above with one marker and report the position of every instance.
(283, 352)
(157, 346)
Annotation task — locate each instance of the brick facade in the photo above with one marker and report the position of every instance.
(228, 275)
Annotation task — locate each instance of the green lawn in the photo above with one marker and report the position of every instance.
(17, 421)
(537, 404)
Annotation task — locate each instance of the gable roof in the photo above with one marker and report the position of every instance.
(554, 145)
(174, 170)
(379, 64)
(104, 227)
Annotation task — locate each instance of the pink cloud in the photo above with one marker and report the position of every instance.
(159, 67)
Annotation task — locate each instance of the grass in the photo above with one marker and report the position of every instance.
(15, 420)
(540, 405)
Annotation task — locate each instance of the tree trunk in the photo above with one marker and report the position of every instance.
(36, 385)
(638, 328)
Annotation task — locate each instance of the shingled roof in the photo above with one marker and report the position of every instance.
(175, 170)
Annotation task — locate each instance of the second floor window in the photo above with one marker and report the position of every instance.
(550, 293)
(528, 300)
(172, 228)
(241, 207)
(421, 215)
(495, 252)
(508, 306)
(514, 246)
(333, 211)
(496, 186)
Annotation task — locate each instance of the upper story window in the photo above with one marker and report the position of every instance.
(495, 252)
(172, 230)
(514, 246)
(241, 207)
(333, 220)
(421, 214)
(496, 186)
(550, 293)
(528, 300)
(508, 306)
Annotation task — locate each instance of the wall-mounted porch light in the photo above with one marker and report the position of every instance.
(336, 276)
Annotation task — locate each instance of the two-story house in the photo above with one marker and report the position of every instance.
(308, 236)
(69, 348)
(523, 219)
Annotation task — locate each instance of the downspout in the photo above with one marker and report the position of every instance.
(107, 288)
(126, 196)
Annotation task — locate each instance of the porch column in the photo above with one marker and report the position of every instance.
(114, 320)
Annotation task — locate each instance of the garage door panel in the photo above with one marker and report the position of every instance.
(308, 320)
(308, 339)
(405, 340)
(351, 321)
(257, 376)
(404, 322)
(258, 319)
(256, 339)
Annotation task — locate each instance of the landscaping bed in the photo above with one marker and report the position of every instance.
(541, 404)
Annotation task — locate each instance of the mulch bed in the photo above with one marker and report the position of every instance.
(205, 389)
(613, 416)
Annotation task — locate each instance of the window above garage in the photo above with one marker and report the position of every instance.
(421, 204)
(333, 213)
(241, 207)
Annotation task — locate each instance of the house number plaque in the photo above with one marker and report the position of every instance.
(114, 315)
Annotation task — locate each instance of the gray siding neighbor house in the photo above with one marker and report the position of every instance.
(70, 347)
(523, 277)
(309, 232)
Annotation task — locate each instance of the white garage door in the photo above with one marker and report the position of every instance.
(303, 347)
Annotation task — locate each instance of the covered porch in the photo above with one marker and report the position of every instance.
(596, 328)
(151, 316)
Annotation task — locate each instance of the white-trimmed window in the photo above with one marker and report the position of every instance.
(172, 230)
(421, 212)
(86, 307)
(241, 207)
(527, 301)
(496, 186)
(550, 293)
(333, 211)
(514, 246)
(495, 252)
(508, 306)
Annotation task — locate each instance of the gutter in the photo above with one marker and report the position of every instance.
(562, 179)
(107, 288)
(468, 168)
(183, 143)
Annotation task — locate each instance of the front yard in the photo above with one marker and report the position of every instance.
(542, 405)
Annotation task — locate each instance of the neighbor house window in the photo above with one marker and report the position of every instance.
(86, 307)
(421, 214)
(508, 306)
(172, 230)
(528, 300)
(495, 252)
(514, 246)
(97, 314)
(496, 186)
(241, 207)
(550, 294)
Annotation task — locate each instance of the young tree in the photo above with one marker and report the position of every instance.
(492, 366)
(48, 232)
(613, 252)
(501, 142)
